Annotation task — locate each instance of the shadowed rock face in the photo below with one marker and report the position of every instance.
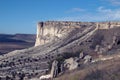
(55, 38)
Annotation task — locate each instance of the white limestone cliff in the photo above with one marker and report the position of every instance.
(56, 30)
(52, 31)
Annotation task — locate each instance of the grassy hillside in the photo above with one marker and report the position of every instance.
(107, 70)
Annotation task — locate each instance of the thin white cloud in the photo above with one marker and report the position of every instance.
(115, 2)
(110, 13)
(75, 10)
(101, 14)
(112, 2)
(103, 10)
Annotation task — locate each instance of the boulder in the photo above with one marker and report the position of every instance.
(97, 48)
(81, 55)
(53, 73)
(87, 59)
(71, 64)
(62, 68)
(54, 70)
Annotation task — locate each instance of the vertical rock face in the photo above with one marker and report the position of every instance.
(52, 31)
(54, 70)
(56, 30)
(39, 33)
(47, 32)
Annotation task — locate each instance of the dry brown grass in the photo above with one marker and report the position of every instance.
(107, 70)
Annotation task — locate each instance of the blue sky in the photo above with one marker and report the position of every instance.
(21, 16)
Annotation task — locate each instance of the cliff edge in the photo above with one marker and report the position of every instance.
(61, 38)
(56, 30)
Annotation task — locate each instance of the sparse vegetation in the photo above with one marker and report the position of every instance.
(36, 61)
(99, 71)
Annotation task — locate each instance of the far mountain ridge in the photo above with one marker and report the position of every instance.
(10, 42)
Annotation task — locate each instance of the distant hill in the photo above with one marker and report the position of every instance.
(9, 42)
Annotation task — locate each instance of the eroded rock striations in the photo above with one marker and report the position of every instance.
(55, 39)
(56, 30)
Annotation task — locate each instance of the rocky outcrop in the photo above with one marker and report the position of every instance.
(81, 56)
(87, 59)
(74, 62)
(51, 31)
(53, 73)
(71, 64)
(108, 25)
(55, 38)
(56, 30)
(54, 70)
